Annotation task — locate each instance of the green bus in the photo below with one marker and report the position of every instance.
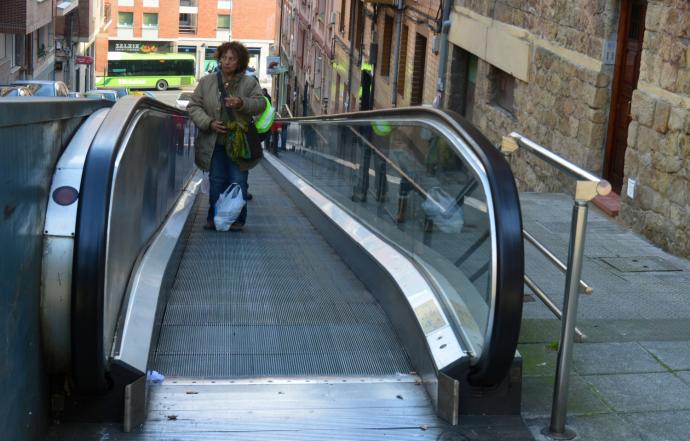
(148, 71)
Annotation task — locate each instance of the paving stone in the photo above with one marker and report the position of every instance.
(635, 330)
(642, 392)
(658, 426)
(538, 359)
(684, 375)
(603, 427)
(537, 397)
(674, 354)
(613, 358)
(540, 331)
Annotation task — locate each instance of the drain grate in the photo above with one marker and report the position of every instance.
(639, 264)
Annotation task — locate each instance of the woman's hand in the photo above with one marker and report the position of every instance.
(218, 126)
(233, 102)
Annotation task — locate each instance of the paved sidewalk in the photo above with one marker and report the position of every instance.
(631, 376)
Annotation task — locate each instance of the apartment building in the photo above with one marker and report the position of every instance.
(77, 25)
(27, 44)
(335, 46)
(191, 26)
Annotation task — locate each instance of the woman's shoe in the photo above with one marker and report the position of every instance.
(209, 226)
(236, 226)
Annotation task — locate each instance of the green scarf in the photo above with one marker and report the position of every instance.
(236, 145)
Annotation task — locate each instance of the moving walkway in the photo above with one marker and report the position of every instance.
(376, 290)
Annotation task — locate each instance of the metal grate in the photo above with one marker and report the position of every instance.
(273, 300)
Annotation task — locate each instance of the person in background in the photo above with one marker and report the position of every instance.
(209, 114)
(283, 136)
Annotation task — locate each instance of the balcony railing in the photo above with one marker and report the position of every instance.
(187, 29)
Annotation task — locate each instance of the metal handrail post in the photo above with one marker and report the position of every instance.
(557, 428)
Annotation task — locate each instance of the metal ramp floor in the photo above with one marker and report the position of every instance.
(267, 334)
(272, 300)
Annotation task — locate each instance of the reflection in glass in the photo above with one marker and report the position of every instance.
(407, 182)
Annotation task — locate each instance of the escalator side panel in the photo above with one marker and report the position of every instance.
(136, 168)
(429, 351)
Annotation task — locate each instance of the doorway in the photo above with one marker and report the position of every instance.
(626, 74)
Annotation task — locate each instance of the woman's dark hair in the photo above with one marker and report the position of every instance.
(239, 49)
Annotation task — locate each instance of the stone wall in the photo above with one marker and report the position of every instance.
(658, 153)
(564, 107)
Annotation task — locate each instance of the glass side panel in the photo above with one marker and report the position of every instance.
(407, 181)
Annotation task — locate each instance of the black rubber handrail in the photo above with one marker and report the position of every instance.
(506, 313)
(89, 362)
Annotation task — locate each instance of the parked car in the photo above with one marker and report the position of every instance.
(121, 91)
(182, 100)
(102, 94)
(44, 88)
(10, 91)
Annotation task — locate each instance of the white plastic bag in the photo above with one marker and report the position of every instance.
(228, 207)
(444, 211)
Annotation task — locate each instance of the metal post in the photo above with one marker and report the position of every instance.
(557, 428)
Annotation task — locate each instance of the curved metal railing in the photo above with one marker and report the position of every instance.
(441, 193)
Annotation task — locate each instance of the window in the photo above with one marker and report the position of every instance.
(322, 10)
(403, 61)
(44, 40)
(387, 45)
(150, 20)
(125, 19)
(503, 88)
(418, 68)
(359, 24)
(3, 42)
(341, 27)
(463, 82)
(224, 22)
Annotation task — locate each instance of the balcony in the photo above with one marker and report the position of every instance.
(63, 8)
(187, 23)
(187, 28)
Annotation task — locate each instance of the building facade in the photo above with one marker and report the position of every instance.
(77, 25)
(603, 83)
(190, 26)
(27, 43)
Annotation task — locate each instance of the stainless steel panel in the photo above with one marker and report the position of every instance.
(135, 335)
(151, 171)
(58, 248)
(33, 134)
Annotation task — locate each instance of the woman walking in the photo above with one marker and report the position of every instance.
(209, 113)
